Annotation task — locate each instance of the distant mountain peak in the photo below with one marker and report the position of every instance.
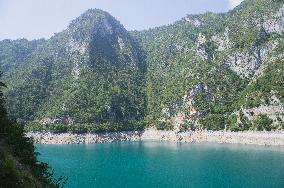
(91, 17)
(92, 22)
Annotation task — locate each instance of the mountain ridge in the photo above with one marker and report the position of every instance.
(188, 75)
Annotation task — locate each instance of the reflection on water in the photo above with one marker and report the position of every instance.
(166, 164)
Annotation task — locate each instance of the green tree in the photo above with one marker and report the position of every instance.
(18, 163)
(263, 122)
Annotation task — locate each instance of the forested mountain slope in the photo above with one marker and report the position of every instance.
(18, 164)
(200, 68)
(92, 72)
(210, 71)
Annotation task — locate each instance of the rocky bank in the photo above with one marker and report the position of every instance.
(275, 138)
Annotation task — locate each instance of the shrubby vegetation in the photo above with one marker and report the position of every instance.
(187, 126)
(263, 122)
(271, 83)
(175, 69)
(164, 125)
(18, 163)
(85, 128)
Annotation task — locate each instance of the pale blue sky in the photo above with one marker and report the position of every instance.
(33, 19)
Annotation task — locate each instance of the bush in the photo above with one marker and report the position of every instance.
(86, 128)
(164, 125)
(245, 122)
(186, 126)
(281, 126)
(214, 122)
(35, 127)
(57, 128)
(235, 128)
(263, 122)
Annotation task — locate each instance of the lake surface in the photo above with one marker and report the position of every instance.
(166, 165)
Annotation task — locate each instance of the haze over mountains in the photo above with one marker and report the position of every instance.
(211, 71)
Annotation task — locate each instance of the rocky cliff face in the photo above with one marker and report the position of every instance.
(229, 54)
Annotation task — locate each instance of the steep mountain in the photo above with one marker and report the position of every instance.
(214, 71)
(199, 67)
(92, 72)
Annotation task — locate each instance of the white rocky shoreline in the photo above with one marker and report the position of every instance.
(272, 138)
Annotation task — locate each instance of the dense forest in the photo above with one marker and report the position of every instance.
(18, 164)
(209, 71)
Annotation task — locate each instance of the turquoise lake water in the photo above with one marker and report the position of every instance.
(166, 165)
